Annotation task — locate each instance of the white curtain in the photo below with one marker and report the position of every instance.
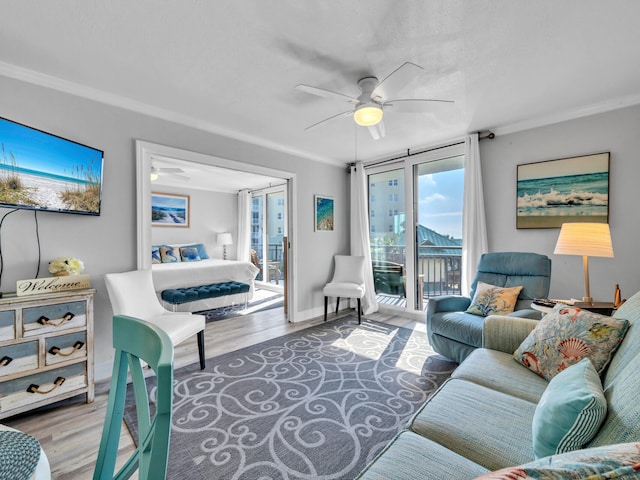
(360, 245)
(474, 227)
(244, 226)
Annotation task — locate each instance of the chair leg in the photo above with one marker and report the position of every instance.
(326, 304)
(359, 311)
(201, 348)
(337, 304)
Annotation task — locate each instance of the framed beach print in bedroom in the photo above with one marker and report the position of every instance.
(323, 214)
(567, 190)
(169, 210)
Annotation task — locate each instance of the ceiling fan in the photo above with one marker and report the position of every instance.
(172, 171)
(375, 97)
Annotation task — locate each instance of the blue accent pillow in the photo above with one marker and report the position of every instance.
(570, 411)
(202, 252)
(155, 255)
(189, 254)
(169, 254)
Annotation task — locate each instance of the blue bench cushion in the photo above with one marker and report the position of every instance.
(191, 294)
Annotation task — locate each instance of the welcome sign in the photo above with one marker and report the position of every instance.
(38, 286)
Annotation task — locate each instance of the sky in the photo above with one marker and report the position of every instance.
(40, 151)
(440, 202)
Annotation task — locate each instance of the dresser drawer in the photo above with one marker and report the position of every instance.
(18, 358)
(53, 318)
(7, 325)
(65, 347)
(42, 386)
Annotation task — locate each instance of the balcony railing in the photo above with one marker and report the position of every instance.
(438, 270)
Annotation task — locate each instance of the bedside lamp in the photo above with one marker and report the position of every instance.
(588, 240)
(224, 239)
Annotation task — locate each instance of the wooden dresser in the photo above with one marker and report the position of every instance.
(46, 349)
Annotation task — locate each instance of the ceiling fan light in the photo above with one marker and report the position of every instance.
(367, 115)
(154, 176)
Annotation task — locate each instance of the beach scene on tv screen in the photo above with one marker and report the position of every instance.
(42, 171)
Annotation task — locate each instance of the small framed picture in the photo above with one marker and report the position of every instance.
(324, 214)
(554, 192)
(169, 210)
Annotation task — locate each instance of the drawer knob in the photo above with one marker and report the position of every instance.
(33, 388)
(6, 360)
(58, 351)
(56, 323)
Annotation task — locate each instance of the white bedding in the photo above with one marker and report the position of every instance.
(204, 272)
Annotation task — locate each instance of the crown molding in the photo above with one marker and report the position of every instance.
(114, 100)
(593, 109)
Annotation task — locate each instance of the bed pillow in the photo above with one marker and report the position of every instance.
(169, 254)
(570, 411)
(492, 300)
(155, 255)
(202, 251)
(189, 254)
(565, 336)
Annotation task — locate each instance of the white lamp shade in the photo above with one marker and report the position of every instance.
(224, 239)
(586, 239)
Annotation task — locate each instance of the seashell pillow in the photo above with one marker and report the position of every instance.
(565, 336)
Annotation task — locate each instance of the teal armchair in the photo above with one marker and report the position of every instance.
(454, 333)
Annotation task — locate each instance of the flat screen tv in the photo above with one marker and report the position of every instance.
(41, 171)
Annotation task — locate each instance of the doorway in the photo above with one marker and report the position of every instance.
(146, 153)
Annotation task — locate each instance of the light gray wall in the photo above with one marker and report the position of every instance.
(108, 243)
(615, 132)
(210, 213)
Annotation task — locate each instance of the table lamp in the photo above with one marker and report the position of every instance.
(224, 239)
(588, 240)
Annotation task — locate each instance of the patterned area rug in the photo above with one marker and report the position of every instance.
(316, 404)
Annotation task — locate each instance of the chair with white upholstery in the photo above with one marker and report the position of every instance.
(347, 282)
(132, 294)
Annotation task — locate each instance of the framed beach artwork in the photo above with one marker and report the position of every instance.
(169, 210)
(567, 190)
(324, 213)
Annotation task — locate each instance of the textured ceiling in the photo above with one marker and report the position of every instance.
(232, 67)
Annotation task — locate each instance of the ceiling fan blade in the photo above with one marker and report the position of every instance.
(377, 131)
(171, 170)
(321, 92)
(341, 114)
(396, 80)
(412, 105)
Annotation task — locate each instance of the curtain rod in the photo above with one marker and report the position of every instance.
(265, 188)
(489, 135)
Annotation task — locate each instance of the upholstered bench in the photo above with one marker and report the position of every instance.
(177, 296)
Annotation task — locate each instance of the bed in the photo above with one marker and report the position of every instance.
(204, 272)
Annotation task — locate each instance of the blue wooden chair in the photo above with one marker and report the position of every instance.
(135, 341)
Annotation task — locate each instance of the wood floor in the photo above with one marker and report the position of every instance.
(70, 432)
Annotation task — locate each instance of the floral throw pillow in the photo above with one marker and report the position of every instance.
(565, 336)
(598, 463)
(492, 300)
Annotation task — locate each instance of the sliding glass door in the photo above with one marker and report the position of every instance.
(415, 223)
(268, 230)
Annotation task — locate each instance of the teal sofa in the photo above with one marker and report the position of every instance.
(480, 420)
(454, 333)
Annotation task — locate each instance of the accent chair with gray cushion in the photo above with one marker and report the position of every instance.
(455, 333)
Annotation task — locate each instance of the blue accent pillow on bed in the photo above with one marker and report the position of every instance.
(202, 252)
(169, 254)
(189, 254)
(155, 255)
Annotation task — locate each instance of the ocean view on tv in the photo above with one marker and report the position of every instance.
(42, 171)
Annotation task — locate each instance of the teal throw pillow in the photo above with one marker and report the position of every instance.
(189, 254)
(570, 411)
(565, 336)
